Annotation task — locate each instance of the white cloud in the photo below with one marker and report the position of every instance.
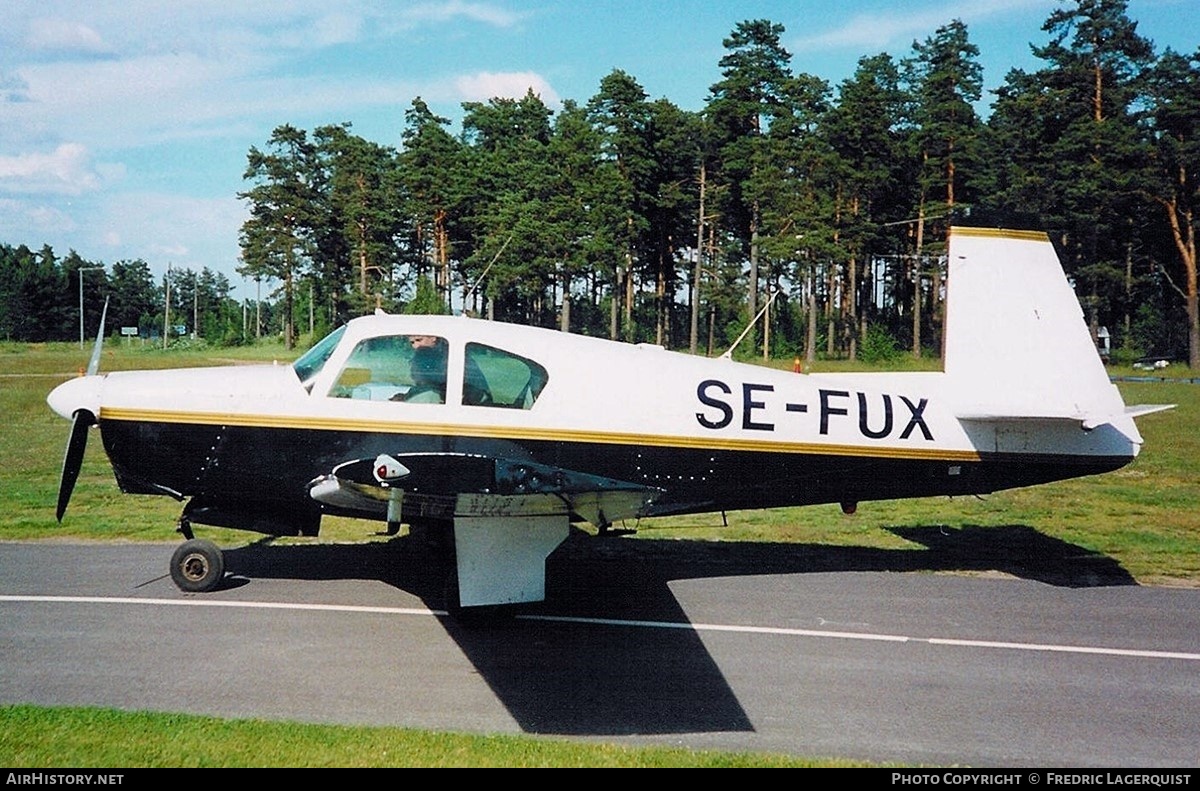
(478, 12)
(194, 70)
(117, 84)
(159, 227)
(173, 251)
(109, 107)
(902, 23)
(486, 85)
(26, 222)
(111, 172)
(334, 29)
(112, 104)
(61, 35)
(66, 171)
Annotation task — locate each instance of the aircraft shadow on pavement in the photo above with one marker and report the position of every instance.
(566, 678)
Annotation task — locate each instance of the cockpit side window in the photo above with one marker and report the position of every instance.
(408, 368)
(494, 377)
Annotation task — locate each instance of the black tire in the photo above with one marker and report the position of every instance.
(197, 566)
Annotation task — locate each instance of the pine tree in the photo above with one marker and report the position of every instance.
(1174, 182)
(755, 71)
(277, 239)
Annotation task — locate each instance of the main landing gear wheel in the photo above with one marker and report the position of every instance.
(197, 566)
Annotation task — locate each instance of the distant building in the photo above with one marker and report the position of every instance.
(1104, 343)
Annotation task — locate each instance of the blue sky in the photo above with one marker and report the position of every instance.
(124, 124)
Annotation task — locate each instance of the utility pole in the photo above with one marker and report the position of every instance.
(167, 307)
(694, 335)
(195, 304)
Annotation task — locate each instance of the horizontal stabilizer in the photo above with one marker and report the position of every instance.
(1137, 410)
(1095, 421)
(996, 412)
(1087, 421)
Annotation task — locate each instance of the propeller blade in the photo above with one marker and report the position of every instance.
(73, 458)
(94, 363)
(83, 420)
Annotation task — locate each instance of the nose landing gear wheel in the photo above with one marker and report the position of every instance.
(197, 566)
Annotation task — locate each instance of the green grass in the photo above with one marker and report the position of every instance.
(36, 737)
(1145, 518)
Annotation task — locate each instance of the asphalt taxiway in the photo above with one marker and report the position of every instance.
(1036, 660)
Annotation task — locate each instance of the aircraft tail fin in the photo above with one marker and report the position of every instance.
(1017, 345)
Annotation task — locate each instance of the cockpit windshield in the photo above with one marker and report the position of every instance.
(312, 361)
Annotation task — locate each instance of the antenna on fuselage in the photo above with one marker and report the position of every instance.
(483, 274)
(729, 352)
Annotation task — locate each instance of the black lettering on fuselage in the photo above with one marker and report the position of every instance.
(827, 409)
(725, 409)
(749, 405)
(917, 419)
(863, 426)
(877, 417)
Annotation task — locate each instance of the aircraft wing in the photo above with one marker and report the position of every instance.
(507, 515)
(456, 485)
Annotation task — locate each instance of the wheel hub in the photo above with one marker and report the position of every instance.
(194, 567)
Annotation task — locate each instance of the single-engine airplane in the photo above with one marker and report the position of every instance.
(502, 435)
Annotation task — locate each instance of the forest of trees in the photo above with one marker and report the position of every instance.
(821, 210)
(40, 296)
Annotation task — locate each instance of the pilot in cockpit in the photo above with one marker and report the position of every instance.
(428, 369)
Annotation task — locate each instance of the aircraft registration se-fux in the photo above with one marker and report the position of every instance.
(498, 437)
